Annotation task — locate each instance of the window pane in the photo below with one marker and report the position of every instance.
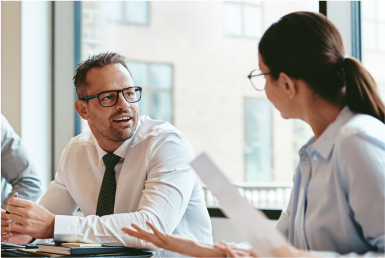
(113, 10)
(381, 11)
(162, 106)
(232, 15)
(252, 21)
(368, 10)
(373, 41)
(253, 2)
(381, 36)
(369, 35)
(136, 12)
(258, 140)
(139, 73)
(144, 104)
(161, 76)
(312, 6)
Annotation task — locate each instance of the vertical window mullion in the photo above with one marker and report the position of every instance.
(150, 92)
(356, 29)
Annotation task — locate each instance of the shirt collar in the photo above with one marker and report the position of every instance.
(325, 143)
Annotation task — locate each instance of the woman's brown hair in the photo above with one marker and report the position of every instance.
(308, 46)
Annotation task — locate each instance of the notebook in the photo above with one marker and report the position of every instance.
(92, 250)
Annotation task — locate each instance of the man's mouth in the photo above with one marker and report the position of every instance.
(122, 119)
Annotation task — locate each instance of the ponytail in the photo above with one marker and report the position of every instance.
(361, 90)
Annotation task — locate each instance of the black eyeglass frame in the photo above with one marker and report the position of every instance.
(117, 98)
(251, 76)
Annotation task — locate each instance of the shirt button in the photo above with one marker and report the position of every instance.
(315, 158)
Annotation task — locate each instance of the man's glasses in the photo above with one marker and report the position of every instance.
(257, 79)
(110, 98)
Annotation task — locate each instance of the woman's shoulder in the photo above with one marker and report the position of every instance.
(364, 128)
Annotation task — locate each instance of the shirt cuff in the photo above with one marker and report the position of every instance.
(66, 228)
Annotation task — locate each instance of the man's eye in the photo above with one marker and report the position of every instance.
(107, 97)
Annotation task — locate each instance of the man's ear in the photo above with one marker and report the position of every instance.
(288, 85)
(82, 108)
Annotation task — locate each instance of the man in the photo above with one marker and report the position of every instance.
(18, 174)
(153, 181)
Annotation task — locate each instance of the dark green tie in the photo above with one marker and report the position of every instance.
(106, 200)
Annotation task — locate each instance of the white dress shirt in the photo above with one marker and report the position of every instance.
(154, 183)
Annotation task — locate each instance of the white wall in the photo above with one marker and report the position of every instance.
(36, 84)
(11, 63)
(26, 77)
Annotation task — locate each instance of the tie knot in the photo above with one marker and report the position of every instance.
(110, 160)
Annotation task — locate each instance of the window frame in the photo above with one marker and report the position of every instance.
(124, 20)
(242, 4)
(271, 172)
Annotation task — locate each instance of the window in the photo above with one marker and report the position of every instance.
(373, 41)
(131, 12)
(373, 25)
(243, 19)
(195, 78)
(258, 140)
(156, 80)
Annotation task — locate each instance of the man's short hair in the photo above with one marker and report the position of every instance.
(99, 60)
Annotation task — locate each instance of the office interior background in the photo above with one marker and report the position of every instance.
(192, 59)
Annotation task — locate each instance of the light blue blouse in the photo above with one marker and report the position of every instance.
(338, 198)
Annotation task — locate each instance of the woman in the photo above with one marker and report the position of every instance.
(337, 202)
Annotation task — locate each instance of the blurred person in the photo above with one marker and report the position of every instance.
(337, 203)
(126, 169)
(18, 174)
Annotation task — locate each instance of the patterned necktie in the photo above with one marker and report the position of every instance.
(106, 200)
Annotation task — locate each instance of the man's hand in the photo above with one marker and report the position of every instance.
(5, 230)
(31, 219)
(19, 239)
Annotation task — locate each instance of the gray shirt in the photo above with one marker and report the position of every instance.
(18, 174)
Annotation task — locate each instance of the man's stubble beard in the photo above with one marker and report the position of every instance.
(112, 134)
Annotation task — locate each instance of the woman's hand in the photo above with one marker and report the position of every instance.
(231, 250)
(173, 243)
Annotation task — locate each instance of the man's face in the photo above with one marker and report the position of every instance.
(103, 121)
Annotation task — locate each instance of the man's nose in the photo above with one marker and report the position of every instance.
(122, 102)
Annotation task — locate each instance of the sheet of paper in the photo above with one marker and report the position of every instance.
(251, 223)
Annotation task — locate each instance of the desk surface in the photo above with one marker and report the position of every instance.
(15, 253)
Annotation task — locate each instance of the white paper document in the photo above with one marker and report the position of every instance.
(251, 223)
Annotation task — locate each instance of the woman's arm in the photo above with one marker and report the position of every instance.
(174, 243)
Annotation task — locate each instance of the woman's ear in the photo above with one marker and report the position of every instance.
(82, 108)
(288, 85)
